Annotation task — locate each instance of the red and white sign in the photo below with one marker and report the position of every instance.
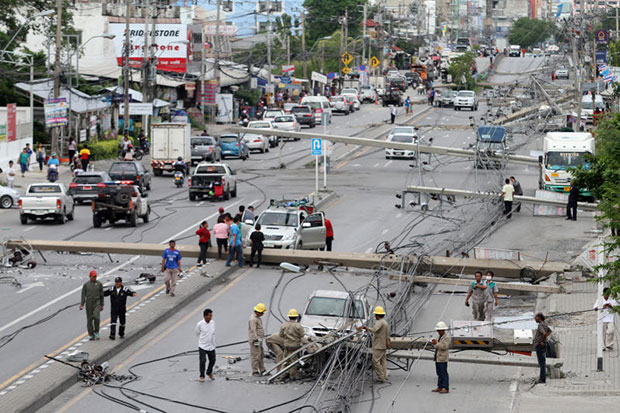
(169, 50)
(11, 121)
(288, 69)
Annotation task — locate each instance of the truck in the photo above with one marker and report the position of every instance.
(120, 202)
(514, 51)
(490, 140)
(212, 180)
(501, 43)
(561, 151)
(44, 201)
(168, 142)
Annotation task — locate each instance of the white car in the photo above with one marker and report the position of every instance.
(340, 104)
(368, 93)
(350, 91)
(356, 102)
(292, 228)
(328, 310)
(265, 124)
(8, 197)
(256, 142)
(270, 114)
(401, 153)
(466, 99)
(403, 130)
(286, 122)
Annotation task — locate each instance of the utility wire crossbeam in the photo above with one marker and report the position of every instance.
(439, 150)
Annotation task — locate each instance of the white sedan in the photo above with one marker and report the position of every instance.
(352, 97)
(8, 197)
(264, 124)
(287, 123)
(256, 142)
(401, 153)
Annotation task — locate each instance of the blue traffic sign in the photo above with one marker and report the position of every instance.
(362, 68)
(331, 75)
(285, 79)
(317, 146)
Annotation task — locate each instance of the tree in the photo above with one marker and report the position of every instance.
(528, 32)
(323, 17)
(460, 69)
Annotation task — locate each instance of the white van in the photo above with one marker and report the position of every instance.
(319, 104)
(587, 108)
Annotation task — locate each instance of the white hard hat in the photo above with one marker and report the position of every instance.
(441, 326)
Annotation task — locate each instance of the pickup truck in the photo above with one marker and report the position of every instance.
(212, 180)
(328, 310)
(47, 200)
(117, 202)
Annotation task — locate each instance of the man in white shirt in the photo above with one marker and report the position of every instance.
(205, 331)
(507, 192)
(10, 175)
(605, 304)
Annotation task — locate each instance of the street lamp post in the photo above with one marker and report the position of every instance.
(42, 14)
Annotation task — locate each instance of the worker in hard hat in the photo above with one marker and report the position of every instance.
(92, 297)
(275, 343)
(380, 343)
(256, 335)
(292, 332)
(442, 345)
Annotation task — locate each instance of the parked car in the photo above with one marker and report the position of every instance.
(212, 181)
(262, 124)
(269, 114)
(205, 148)
(287, 123)
(292, 228)
(401, 153)
(8, 197)
(131, 173)
(353, 98)
(84, 188)
(232, 145)
(304, 115)
(368, 93)
(44, 201)
(120, 202)
(341, 104)
(446, 99)
(466, 99)
(329, 310)
(562, 72)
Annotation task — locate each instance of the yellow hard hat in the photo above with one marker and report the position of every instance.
(260, 308)
(292, 313)
(379, 310)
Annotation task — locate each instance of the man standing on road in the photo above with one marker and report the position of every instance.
(292, 332)
(507, 193)
(220, 231)
(10, 175)
(606, 304)
(329, 234)
(203, 242)
(442, 345)
(92, 297)
(407, 105)
(256, 335)
(571, 205)
(171, 266)
(518, 190)
(205, 331)
(491, 296)
(477, 290)
(540, 345)
(118, 306)
(380, 343)
(234, 242)
(256, 240)
(393, 113)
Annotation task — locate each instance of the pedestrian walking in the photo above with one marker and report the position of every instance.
(205, 331)
(478, 294)
(540, 345)
(235, 249)
(118, 306)
(507, 193)
(71, 148)
(292, 332)
(571, 205)
(41, 155)
(407, 105)
(10, 175)
(393, 113)
(329, 234)
(442, 345)
(29, 152)
(171, 266)
(606, 304)
(380, 343)
(92, 298)
(518, 190)
(23, 161)
(256, 335)
(220, 231)
(256, 242)
(491, 302)
(431, 96)
(85, 157)
(203, 242)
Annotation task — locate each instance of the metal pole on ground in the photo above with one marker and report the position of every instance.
(316, 176)
(600, 259)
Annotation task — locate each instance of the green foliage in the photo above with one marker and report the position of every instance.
(461, 67)
(528, 32)
(104, 149)
(323, 17)
(249, 95)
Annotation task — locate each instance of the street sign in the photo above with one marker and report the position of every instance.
(362, 68)
(317, 147)
(346, 58)
(601, 36)
(346, 70)
(331, 75)
(285, 79)
(374, 62)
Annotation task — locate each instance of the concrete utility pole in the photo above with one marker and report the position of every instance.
(145, 53)
(216, 63)
(600, 260)
(577, 84)
(269, 84)
(346, 29)
(364, 33)
(126, 70)
(56, 129)
(303, 43)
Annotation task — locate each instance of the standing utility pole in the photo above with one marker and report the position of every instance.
(216, 64)
(364, 33)
(126, 70)
(145, 54)
(303, 43)
(346, 29)
(577, 84)
(55, 130)
(269, 84)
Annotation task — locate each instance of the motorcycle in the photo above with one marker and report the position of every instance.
(179, 179)
(137, 154)
(52, 173)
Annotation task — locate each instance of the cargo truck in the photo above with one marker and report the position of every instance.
(168, 142)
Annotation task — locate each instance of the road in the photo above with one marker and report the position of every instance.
(363, 215)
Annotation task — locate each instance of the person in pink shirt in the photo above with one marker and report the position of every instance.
(220, 231)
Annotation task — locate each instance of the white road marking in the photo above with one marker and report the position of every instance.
(387, 164)
(201, 202)
(29, 286)
(400, 214)
(369, 250)
(384, 231)
(356, 164)
(29, 229)
(113, 270)
(514, 387)
(108, 229)
(377, 164)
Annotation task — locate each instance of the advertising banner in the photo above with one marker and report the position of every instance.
(55, 112)
(11, 121)
(170, 52)
(2, 133)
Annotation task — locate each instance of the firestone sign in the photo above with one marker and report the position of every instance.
(168, 48)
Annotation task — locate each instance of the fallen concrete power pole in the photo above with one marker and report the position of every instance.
(526, 111)
(439, 150)
(503, 286)
(507, 268)
(490, 195)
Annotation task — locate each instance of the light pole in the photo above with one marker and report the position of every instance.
(322, 39)
(28, 20)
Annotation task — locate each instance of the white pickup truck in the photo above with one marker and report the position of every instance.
(47, 200)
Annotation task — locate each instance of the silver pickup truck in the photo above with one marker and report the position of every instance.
(46, 200)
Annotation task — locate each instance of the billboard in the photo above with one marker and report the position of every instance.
(11, 121)
(171, 54)
(55, 112)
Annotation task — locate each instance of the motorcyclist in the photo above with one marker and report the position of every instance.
(125, 144)
(144, 142)
(53, 163)
(128, 155)
(180, 165)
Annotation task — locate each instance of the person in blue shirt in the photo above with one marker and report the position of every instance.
(234, 241)
(53, 160)
(171, 267)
